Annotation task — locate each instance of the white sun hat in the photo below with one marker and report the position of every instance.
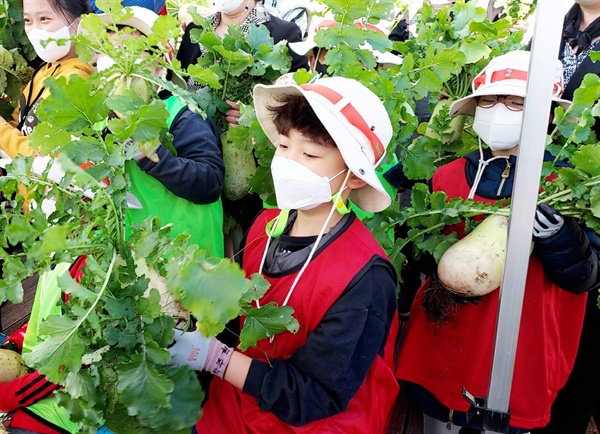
(354, 117)
(302, 48)
(506, 75)
(143, 19)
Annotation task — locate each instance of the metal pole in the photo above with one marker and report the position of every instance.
(546, 39)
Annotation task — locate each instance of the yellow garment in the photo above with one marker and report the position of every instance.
(14, 141)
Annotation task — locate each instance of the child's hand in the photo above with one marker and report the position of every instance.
(547, 221)
(190, 348)
(200, 353)
(233, 114)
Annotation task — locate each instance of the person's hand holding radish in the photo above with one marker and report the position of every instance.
(547, 221)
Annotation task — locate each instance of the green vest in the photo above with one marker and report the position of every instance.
(204, 223)
(45, 303)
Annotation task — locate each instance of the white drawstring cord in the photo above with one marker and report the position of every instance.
(312, 251)
(480, 169)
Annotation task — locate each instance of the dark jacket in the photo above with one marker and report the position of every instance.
(279, 29)
(197, 172)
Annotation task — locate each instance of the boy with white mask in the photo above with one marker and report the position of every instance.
(336, 373)
(439, 357)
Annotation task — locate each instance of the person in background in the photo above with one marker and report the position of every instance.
(29, 400)
(440, 357)
(244, 13)
(336, 373)
(580, 398)
(155, 6)
(316, 55)
(44, 20)
(184, 190)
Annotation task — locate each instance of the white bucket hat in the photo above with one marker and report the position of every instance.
(506, 75)
(142, 20)
(354, 117)
(302, 48)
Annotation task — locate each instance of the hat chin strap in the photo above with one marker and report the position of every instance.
(334, 207)
(480, 168)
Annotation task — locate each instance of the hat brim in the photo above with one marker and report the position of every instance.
(134, 22)
(302, 47)
(387, 59)
(467, 105)
(372, 197)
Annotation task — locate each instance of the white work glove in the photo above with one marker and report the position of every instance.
(200, 353)
(547, 221)
(190, 348)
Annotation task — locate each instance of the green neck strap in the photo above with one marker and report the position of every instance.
(280, 221)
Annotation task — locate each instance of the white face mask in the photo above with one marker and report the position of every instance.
(103, 63)
(298, 187)
(52, 51)
(227, 6)
(498, 127)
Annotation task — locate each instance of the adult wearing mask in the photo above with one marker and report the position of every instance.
(244, 13)
(44, 20)
(580, 397)
(440, 355)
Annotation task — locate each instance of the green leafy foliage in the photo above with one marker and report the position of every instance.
(452, 45)
(267, 321)
(15, 52)
(238, 62)
(108, 346)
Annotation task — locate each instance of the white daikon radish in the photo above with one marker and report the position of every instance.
(474, 265)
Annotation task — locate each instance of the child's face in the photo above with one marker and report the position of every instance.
(324, 160)
(39, 14)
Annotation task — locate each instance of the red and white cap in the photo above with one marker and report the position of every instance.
(506, 75)
(387, 59)
(354, 117)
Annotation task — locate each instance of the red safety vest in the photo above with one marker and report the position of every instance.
(229, 410)
(444, 359)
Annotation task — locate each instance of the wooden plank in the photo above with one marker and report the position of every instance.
(13, 315)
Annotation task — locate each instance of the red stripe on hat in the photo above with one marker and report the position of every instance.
(504, 74)
(512, 74)
(352, 115)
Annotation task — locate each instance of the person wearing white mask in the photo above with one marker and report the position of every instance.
(336, 373)
(44, 20)
(440, 356)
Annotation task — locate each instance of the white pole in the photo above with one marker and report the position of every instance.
(546, 40)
